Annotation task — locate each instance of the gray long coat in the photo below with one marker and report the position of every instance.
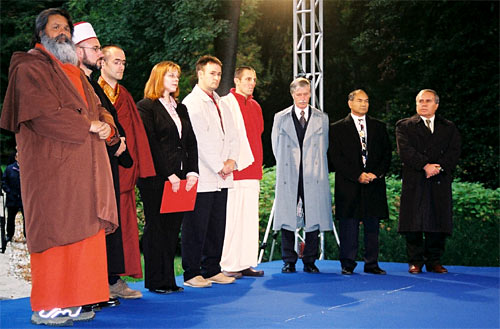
(286, 149)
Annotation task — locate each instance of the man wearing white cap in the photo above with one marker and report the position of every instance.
(90, 56)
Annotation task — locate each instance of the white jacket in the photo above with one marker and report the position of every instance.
(214, 144)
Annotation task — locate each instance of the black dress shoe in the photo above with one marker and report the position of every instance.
(288, 268)
(252, 272)
(375, 270)
(347, 270)
(112, 302)
(436, 268)
(177, 289)
(310, 268)
(162, 291)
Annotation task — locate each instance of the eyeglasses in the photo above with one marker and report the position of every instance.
(95, 48)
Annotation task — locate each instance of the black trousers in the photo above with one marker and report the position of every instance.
(11, 221)
(288, 243)
(349, 234)
(159, 241)
(203, 232)
(427, 251)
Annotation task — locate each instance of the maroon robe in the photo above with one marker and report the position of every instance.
(138, 146)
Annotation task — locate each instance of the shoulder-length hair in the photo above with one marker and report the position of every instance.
(154, 87)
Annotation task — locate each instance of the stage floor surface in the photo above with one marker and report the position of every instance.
(466, 297)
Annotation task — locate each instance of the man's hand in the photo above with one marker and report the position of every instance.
(190, 181)
(432, 169)
(100, 128)
(228, 168)
(121, 148)
(176, 182)
(366, 178)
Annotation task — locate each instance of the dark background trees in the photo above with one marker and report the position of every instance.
(392, 49)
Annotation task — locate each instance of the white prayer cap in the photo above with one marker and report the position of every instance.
(83, 31)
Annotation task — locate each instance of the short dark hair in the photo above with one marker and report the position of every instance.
(353, 94)
(43, 18)
(239, 71)
(204, 60)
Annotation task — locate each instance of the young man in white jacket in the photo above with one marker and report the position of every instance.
(203, 228)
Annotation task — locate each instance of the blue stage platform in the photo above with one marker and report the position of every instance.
(467, 297)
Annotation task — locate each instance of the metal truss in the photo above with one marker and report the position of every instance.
(308, 46)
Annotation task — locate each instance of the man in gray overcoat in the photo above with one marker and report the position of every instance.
(429, 147)
(302, 199)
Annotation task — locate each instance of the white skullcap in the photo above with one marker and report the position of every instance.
(83, 31)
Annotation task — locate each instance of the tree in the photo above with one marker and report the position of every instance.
(154, 31)
(226, 45)
(443, 51)
(17, 22)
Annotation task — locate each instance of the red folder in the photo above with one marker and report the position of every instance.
(181, 200)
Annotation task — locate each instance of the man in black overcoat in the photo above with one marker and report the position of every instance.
(360, 152)
(88, 49)
(429, 147)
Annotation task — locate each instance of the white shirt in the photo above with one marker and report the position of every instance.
(431, 125)
(358, 125)
(170, 107)
(297, 112)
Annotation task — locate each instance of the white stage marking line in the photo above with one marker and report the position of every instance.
(404, 288)
(342, 305)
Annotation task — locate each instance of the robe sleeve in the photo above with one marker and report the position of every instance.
(41, 112)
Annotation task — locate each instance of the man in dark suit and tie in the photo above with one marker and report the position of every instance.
(429, 147)
(361, 155)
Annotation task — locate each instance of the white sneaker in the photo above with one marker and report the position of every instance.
(53, 317)
(221, 279)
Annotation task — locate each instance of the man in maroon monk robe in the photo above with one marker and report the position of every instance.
(113, 66)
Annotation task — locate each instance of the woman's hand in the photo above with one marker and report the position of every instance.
(191, 180)
(176, 182)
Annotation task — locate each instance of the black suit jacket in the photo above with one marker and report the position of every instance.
(353, 199)
(171, 154)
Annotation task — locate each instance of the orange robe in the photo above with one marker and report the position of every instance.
(71, 275)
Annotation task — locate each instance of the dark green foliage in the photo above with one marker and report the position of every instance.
(153, 31)
(395, 48)
(475, 240)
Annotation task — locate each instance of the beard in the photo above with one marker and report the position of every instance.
(88, 64)
(61, 47)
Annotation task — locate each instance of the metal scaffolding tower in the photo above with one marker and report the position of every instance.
(308, 46)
